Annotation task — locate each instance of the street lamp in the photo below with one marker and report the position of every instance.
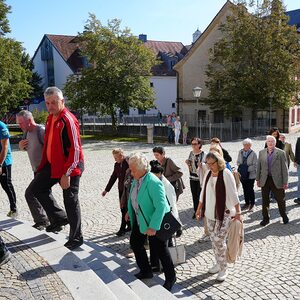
(270, 114)
(197, 94)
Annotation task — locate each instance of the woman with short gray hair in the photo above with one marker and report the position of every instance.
(247, 161)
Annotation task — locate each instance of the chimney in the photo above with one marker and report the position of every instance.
(143, 38)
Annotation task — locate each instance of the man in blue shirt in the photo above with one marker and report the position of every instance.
(5, 169)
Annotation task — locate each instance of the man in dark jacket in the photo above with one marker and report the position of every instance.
(119, 173)
(62, 162)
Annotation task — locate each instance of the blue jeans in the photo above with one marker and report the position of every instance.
(298, 173)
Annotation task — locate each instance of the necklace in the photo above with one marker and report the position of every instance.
(214, 174)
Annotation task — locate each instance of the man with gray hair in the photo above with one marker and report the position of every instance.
(33, 142)
(272, 175)
(147, 206)
(62, 162)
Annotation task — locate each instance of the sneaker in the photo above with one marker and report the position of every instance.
(222, 275)
(5, 258)
(12, 214)
(297, 201)
(204, 238)
(215, 269)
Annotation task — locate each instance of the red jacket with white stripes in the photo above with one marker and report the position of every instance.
(67, 155)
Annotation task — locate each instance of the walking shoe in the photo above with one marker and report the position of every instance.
(285, 219)
(41, 225)
(169, 284)
(121, 232)
(215, 269)
(297, 201)
(204, 238)
(71, 245)
(222, 275)
(179, 233)
(12, 214)
(5, 258)
(251, 206)
(56, 227)
(129, 254)
(128, 228)
(264, 222)
(142, 275)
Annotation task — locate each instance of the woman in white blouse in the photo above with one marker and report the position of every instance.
(219, 203)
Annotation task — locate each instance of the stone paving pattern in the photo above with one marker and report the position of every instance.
(29, 276)
(269, 268)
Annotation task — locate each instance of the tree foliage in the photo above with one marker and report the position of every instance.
(14, 78)
(255, 61)
(118, 73)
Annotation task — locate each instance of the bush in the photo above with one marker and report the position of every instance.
(40, 117)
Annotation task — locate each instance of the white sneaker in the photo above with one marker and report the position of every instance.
(215, 269)
(204, 238)
(222, 275)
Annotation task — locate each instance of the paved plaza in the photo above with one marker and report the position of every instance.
(269, 268)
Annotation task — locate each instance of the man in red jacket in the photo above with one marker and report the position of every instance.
(62, 162)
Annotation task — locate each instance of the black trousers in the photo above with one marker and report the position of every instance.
(40, 187)
(123, 213)
(137, 240)
(6, 183)
(279, 196)
(248, 188)
(196, 190)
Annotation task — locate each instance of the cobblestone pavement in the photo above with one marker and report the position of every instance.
(28, 276)
(269, 268)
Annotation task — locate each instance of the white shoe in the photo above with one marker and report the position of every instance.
(204, 238)
(222, 275)
(215, 269)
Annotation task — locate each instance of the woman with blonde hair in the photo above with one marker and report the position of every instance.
(219, 203)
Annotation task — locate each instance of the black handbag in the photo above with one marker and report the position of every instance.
(168, 227)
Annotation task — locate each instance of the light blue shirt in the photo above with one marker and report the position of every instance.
(4, 134)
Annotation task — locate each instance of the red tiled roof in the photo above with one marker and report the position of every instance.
(68, 47)
(167, 47)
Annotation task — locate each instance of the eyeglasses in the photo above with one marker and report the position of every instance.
(210, 164)
(194, 144)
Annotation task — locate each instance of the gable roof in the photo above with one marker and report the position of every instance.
(205, 33)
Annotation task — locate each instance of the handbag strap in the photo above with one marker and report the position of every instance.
(143, 215)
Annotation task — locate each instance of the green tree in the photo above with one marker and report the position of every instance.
(117, 76)
(255, 61)
(14, 77)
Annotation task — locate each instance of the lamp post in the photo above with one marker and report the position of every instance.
(197, 94)
(270, 114)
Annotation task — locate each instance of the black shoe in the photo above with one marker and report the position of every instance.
(141, 275)
(128, 228)
(264, 222)
(285, 219)
(5, 258)
(245, 206)
(121, 232)
(297, 201)
(41, 225)
(156, 269)
(179, 233)
(169, 284)
(71, 245)
(194, 216)
(56, 227)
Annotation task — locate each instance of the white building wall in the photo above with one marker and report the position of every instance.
(165, 89)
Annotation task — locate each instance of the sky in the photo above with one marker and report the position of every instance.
(161, 20)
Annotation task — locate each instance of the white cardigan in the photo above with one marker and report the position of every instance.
(232, 198)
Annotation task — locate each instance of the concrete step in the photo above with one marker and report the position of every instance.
(97, 271)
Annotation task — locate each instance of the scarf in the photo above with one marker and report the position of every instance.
(220, 192)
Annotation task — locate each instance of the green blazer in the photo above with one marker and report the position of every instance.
(152, 200)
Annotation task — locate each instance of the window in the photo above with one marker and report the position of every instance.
(151, 84)
(218, 116)
(202, 115)
(141, 111)
(173, 105)
(293, 116)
